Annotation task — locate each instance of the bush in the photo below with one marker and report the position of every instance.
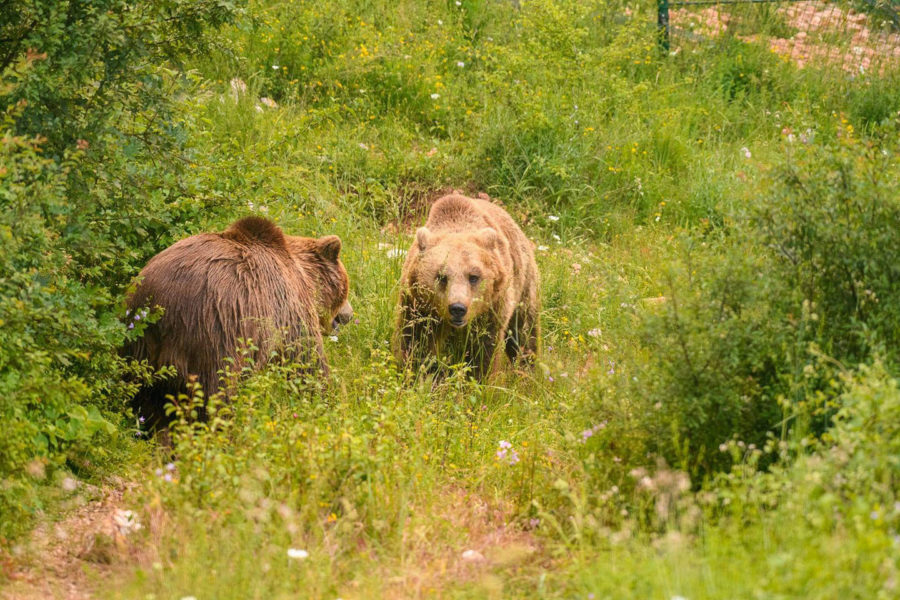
(92, 182)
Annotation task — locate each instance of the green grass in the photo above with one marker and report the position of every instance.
(614, 160)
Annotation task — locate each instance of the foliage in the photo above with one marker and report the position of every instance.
(697, 424)
(91, 183)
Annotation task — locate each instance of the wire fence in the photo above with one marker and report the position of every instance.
(861, 36)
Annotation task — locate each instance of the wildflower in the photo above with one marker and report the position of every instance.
(275, 67)
(612, 368)
(458, 3)
(553, 218)
(363, 146)
(333, 338)
(167, 478)
(472, 555)
(745, 152)
(126, 521)
(576, 268)
(297, 553)
(550, 378)
(141, 419)
(556, 237)
(723, 447)
(440, 22)
(542, 248)
(435, 96)
(395, 252)
(159, 472)
(586, 434)
(460, 64)
(170, 466)
(595, 332)
(268, 102)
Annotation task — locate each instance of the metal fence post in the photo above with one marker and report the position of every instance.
(662, 24)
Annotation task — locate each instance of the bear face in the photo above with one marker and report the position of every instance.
(458, 273)
(322, 257)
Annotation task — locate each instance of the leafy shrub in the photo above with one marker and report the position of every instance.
(92, 182)
(832, 219)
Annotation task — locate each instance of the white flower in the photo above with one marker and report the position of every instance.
(746, 152)
(435, 96)
(363, 146)
(472, 556)
(460, 64)
(458, 3)
(126, 521)
(556, 237)
(297, 553)
(542, 248)
(333, 338)
(594, 332)
(440, 22)
(395, 252)
(189, 598)
(276, 67)
(553, 218)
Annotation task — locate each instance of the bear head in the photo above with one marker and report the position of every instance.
(321, 258)
(458, 272)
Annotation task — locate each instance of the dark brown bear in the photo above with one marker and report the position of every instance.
(469, 288)
(249, 283)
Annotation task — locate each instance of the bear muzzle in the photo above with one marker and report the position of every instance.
(458, 314)
(343, 317)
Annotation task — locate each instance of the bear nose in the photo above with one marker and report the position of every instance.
(458, 311)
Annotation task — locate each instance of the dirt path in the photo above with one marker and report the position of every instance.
(69, 559)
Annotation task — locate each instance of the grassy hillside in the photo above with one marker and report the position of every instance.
(714, 414)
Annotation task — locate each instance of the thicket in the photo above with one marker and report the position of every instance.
(94, 178)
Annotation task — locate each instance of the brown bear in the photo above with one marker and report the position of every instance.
(469, 287)
(251, 282)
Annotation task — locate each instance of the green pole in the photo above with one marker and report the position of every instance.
(662, 24)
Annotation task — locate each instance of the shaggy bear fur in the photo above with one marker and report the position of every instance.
(249, 283)
(469, 287)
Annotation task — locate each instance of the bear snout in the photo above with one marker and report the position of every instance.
(458, 314)
(343, 317)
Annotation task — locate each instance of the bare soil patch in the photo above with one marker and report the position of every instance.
(826, 34)
(71, 558)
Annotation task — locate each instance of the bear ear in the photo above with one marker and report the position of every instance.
(329, 247)
(489, 238)
(422, 236)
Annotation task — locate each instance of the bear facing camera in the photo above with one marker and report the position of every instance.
(250, 282)
(469, 291)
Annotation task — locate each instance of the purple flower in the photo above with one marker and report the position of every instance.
(513, 457)
(168, 477)
(170, 466)
(587, 433)
(504, 444)
(141, 419)
(159, 472)
(131, 326)
(550, 377)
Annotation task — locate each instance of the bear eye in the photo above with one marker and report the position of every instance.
(474, 279)
(441, 279)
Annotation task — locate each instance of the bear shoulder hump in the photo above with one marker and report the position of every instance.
(256, 230)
